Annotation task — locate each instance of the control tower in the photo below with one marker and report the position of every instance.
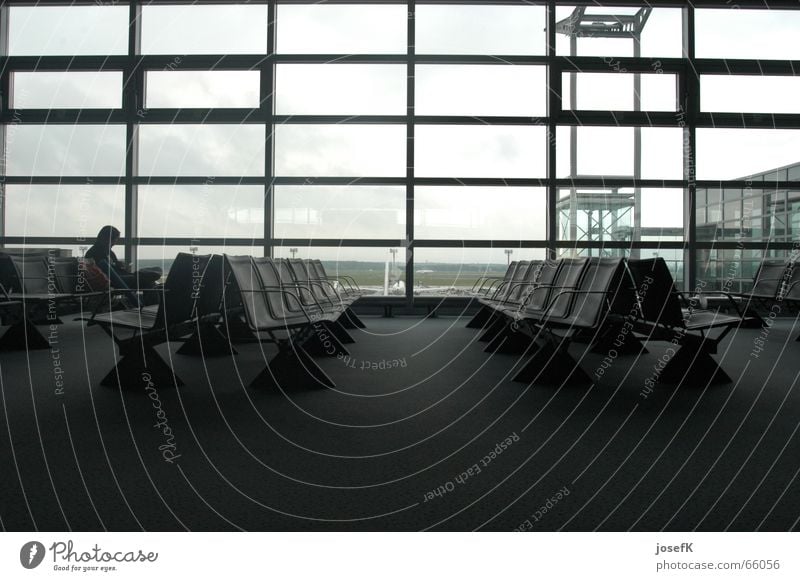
(608, 214)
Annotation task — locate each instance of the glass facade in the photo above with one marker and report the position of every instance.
(750, 214)
(415, 146)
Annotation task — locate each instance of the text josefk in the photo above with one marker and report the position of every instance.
(682, 548)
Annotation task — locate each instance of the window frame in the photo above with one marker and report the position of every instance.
(689, 118)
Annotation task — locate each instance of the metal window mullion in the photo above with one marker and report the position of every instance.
(691, 108)
(132, 101)
(5, 94)
(553, 108)
(573, 144)
(637, 154)
(267, 113)
(410, 161)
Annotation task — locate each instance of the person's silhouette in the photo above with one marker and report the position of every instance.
(118, 272)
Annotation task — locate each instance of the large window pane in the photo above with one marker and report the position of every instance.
(480, 213)
(502, 30)
(468, 151)
(660, 31)
(204, 29)
(662, 213)
(747, 34)
(454, 271)
(62, 210)
(340, 89)
(616, 91)
(202, 89)
(749, 94)
(341, 29)
(340, 212)
(340, 150)
(66, 90)
(67, 30)
(65, 150)
(609, 152)
(378, 271)
(724, 154)
(610, 215)
(201, 211)
(201, 150)
(499, 90)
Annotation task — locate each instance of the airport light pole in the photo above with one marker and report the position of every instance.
(394, 254)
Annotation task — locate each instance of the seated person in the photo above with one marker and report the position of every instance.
(117, 272)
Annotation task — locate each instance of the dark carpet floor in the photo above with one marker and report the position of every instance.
(424, 431)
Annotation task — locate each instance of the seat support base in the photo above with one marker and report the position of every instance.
(350, 320)
(23, 335)
(552, 365)
(292, 367)
(207, 340)
(695, 365)
(479, 320)
(138, 367)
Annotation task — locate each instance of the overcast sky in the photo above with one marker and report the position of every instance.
(373, 150)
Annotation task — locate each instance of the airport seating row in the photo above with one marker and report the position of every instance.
(540, 307)
(210, 302)
(537, 308)
(776, 283)
(42, 285)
